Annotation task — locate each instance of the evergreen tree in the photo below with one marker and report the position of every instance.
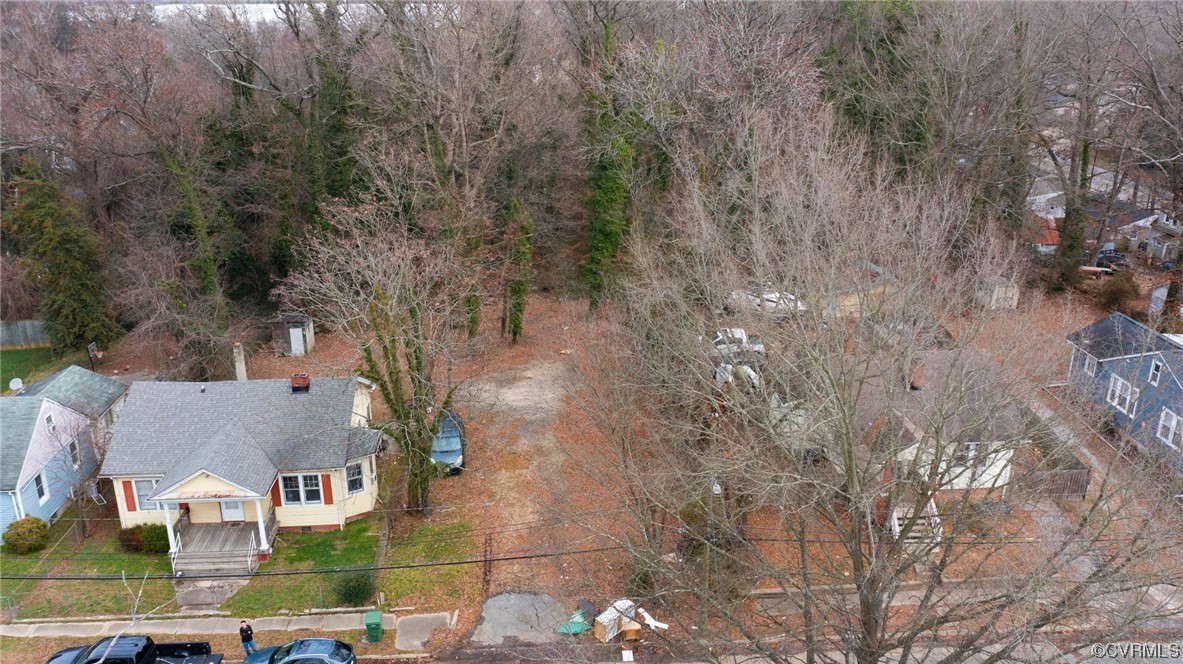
(63, 261)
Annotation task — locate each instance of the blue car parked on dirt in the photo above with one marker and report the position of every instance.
(305, 651)
(449, 445)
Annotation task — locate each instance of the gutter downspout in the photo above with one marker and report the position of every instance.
(20, 504)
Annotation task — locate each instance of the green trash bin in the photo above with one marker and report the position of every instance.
(373, 626)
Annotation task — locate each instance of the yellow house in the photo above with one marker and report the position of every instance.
(226, 465)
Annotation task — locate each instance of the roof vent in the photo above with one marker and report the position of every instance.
(203, 388)
(301, 382)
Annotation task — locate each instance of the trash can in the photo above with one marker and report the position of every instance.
(373, 626)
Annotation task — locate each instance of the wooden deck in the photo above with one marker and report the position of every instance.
(218, 537)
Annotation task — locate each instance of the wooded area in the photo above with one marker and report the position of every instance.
(397, 170)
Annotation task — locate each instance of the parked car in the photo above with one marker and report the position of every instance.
(733, 343)
(765, 301)
(1112, 260)
(450, 444)
(137, 650)
(305, 651)
(726, 374)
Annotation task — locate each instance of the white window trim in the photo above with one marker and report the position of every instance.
(303, 489)
(75, 452)
(39, 478)
(361, 475)
(1174, 431)
(1156, 368)
(1090, 364)
(1120, 390)
(135, 489)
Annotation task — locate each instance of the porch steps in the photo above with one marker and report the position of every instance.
(215, 562)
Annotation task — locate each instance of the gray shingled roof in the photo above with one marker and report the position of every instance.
(176, 430)
(18, 418)
(1119, 335)
(79, 389)
(235, 451)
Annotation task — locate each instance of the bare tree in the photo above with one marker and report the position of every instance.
(860, 463)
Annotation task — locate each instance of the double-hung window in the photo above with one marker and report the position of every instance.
(75, 454)
(1170, 428)
(973, 455)
(143, 490)
(301, 489)
(1122, 395)
(50, 427)
(42, 487)
(354, 479)
(1090, 365)
(1155, 372)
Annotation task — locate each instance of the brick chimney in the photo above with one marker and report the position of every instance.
(301, 382)
(239, 362)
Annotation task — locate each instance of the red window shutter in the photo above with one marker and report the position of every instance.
(326, 483)
(275, 494)
(129, 496)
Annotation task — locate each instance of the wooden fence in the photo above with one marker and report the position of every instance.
(22, 334)
(1071, 483)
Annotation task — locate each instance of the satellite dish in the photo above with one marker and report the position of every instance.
(16, 384)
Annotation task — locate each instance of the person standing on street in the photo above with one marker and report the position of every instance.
(248, 638)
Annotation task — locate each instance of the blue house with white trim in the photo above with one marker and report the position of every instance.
(51, 438)
(1135, 374)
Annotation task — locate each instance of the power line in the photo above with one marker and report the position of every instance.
(320, 570)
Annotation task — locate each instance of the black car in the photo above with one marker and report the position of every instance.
(449, 445)
(1112, 260)
(305, 651)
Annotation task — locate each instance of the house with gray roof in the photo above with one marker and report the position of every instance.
(1134, 375)
(226, 465)
(52, 435)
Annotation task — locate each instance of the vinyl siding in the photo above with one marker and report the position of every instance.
(212, 512)
(207, 486)
(8, 512)
(363, 502)
(132, 519)
(60, 476)
(1142, 424)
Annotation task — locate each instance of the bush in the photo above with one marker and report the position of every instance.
(354, 588)
(1117, 293)
(154, 538)
(132, 539)
(26, 535)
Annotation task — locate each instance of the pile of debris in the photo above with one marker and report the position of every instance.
(623, 619)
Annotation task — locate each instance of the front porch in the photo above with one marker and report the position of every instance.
(221, 548)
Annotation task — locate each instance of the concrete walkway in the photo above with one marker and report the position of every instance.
(417, 627)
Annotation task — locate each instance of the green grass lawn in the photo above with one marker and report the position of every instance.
(99, 553)
(440, 587)
(357, 545)
(21, 363)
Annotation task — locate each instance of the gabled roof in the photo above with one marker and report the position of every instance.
(18, 419)
(1118, 335)
(238, 456)
(79, 390)
(235, 429)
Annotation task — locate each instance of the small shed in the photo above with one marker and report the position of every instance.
(292, 334)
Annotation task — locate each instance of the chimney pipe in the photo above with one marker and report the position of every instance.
(239, 362)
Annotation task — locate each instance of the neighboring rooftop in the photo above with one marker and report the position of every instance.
(18, 418)
(78, 389)
(1118, 335)
(292, 317)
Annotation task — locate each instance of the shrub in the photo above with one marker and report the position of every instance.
(354, 588)
(1117, 293)
(154, 538)
(26, 535)
(131, 539)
